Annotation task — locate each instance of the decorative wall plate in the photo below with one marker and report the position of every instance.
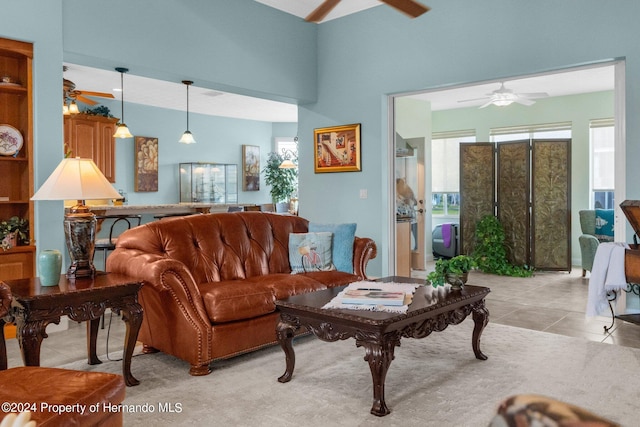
(10, 140)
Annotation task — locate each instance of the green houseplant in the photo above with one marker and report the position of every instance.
(490, 253)
(283, 182)
(453, 271)
(14, 230)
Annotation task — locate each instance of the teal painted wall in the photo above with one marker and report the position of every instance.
(577, 109)
(40, 23)
(339, 72)
(365, 57)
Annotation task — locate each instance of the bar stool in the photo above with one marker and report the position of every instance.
(120, 223)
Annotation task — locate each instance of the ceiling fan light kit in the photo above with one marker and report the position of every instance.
(503, 97)
(187, 137)
(411, 8)
(70, 95)
(122, 131)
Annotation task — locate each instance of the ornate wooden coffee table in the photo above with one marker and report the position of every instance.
(379, 332)
(35, 306)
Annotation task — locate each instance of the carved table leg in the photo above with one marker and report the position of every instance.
(30, 336)
(132, 317)
(92, 338)
(285, 331)
(480, 319)
(379, 355)
(3, 347)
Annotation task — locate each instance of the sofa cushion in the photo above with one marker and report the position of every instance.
(232, 300)
(310, 252)
(342, 245)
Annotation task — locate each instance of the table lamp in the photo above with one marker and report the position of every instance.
(78, 179)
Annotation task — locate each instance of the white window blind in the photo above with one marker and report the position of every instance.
(445, 160)
(601, 133)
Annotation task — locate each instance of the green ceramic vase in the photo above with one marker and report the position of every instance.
(49, 266)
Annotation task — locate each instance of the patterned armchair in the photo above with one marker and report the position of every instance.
(597, 227)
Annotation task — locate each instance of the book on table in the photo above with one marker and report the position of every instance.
(372, 296)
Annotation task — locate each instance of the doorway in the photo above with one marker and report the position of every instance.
(608, 77)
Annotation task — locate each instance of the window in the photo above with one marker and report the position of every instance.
(530, 132)
(601, 136)
(287, 147)
(445, 171)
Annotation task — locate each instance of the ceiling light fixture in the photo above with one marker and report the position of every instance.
(73, 108)
(187, 137)
(122, 131)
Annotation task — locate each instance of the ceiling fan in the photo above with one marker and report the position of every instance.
(503, 97)
(409, 7)
(71, 94)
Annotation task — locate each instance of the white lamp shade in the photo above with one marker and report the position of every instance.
(187, 138)
(76, 179)
(287, 164)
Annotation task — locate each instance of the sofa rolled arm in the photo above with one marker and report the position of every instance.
(364, 249)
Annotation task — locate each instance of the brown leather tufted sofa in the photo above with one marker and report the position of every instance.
(37, 390)
(211, 281)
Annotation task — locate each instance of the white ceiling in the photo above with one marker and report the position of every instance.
(561, 83)
(302, 8)
(172, 95)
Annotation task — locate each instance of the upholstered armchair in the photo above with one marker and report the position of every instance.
(597, 227)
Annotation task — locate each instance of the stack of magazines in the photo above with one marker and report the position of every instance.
(375, 296)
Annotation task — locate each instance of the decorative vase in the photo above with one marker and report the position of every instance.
(457, 281)
(49, 266)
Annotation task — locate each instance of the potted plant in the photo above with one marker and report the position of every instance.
(14, 231)
(453, 271)
(283, 181)
(490, 252)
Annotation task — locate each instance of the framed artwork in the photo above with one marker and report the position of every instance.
(337, 149)
(250, 168)
(146, 176)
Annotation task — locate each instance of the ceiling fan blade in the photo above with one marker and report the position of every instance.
(533, 95)
(321, 11)
(100, 94)
(475, 99)
(82, 99)
(409, 7)
(486, 104)
(524, 101)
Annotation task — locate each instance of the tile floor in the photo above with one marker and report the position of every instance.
(550, 301)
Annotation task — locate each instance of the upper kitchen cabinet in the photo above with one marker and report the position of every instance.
(90, 136)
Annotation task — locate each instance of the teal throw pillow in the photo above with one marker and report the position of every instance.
(310, 252)
(604, 225)
(343, 237)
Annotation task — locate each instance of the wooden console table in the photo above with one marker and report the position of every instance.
(35, 306)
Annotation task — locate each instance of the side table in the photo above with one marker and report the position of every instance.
(35, 306)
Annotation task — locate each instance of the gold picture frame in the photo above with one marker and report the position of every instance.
(146, 163)
(250, 168)
(337, 149)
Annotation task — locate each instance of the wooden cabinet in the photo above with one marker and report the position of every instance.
(16, 169)
(91, 137)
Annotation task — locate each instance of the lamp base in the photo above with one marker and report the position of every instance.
(80, 233)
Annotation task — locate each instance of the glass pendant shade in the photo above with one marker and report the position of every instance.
(73, 108)
(122, 131)
(187, 137)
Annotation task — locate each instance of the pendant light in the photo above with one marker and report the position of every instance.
(122, 130)
(187, 137)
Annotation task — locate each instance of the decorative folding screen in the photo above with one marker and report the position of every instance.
(477, 197)
(532, 198)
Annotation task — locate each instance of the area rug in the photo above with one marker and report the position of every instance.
(435, 381)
